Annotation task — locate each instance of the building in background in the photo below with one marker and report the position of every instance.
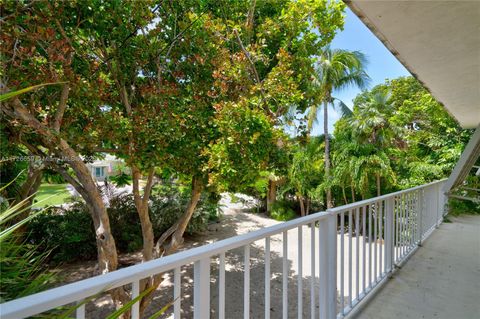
(101, 169)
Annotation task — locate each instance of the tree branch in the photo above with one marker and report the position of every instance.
(249, 23)
(254, 70)
(148, 187)
(61, 108)
(247, 55)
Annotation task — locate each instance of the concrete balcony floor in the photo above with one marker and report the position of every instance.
(441, 280)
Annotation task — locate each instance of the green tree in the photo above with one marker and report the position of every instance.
(374, 134)
(399, 136)
(306, 171)
(430, 141)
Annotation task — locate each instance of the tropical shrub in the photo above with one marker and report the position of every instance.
(459, 207)
(23, 270)
(69, 233)
(283, 210)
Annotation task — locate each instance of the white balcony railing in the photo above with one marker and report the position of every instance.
(356, 247)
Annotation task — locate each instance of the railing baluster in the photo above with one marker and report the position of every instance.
(312, 265)
(437, 205)
(136, 306)
(80, 311)
(405, 232)
(285, 276)
(381, 239)
(246, 283)
(357, 253)
(414, 219)
(409, 219)
(405, 224)
(267, 278)
(364, 236)
(375, 238)
(421, 216)
(413, 212)
(177, 290)
(402, 226)
(342, 261)
(350, 224)
(417, 216)
(201, 289)
(370, 226)
(397, 223)
(300, 273)
(221, 287)
(321, 268)
(389, 231)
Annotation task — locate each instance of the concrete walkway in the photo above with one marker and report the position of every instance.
(441, 280)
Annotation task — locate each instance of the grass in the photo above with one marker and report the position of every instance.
(51, 195)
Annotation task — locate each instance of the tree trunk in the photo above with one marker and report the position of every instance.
(378, 178)
(141, 203)
(327, 154)
(150, 251)
(344, 195)
(302, 205)
(177, 238)
(307, 202)
(84, 184)
(171, 239)
(271, 195)
(353, 193)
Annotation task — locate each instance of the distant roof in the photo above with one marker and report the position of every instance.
(438, 42)
(109, 159)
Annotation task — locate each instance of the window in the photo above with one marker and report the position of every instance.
(99, 171)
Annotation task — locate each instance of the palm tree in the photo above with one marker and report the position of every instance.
(336, 70)
(373, 131)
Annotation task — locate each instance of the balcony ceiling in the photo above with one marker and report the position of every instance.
(438, 42)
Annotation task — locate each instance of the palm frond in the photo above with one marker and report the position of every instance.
(344, 110)
(11, 94)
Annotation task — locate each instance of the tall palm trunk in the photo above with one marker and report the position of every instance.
(327, 154)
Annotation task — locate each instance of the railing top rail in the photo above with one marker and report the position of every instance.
(53, 298)
(364, 202)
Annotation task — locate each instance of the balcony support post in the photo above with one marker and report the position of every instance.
(328, 267)
(201, 289)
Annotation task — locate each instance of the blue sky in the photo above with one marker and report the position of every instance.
(382, 64)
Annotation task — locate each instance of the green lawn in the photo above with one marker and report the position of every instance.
(51, 194)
